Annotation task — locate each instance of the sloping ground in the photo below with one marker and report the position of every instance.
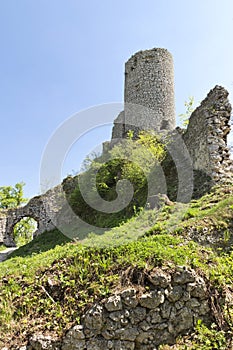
(5, 252)
(47, 292)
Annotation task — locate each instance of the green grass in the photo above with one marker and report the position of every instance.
(81, 275)
(2, 247)
(44, 242)
(132, 230)
(212, 212)
(46, 285)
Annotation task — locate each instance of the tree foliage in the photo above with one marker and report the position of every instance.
(184, 117)
(12, 197)
(132, 160)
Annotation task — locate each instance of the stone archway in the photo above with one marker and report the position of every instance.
(44, 209)
(36, 209)
(14, 216)
(23, 230)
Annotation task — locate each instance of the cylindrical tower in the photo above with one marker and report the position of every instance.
(149, 82)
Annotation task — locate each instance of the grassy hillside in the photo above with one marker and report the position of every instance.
(47, 284)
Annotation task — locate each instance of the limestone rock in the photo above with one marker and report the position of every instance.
(74, 339)
(159, 278)
(94, 318)
(41, 342)
(152, 300)
(133, 319)
(114, 303)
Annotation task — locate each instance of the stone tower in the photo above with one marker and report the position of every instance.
(149, 93)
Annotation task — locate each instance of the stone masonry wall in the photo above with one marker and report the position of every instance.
(149, 83)
(3, 219)
(137, 318)
(43, 209)
(206, 136)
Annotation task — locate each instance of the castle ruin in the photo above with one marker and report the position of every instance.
(150, 105)
(149, 93)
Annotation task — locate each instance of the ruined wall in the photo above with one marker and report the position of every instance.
(206, 136)
(149, 104)
(136, 318)
(3, 219)
(149, 83)
(43, 209)
(118, 130)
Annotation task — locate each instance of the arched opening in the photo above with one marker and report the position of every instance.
(23, 230)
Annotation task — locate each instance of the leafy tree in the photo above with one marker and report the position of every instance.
(140, 156)
(23, 231)
(131, 159)
(184, 117)
(12, 197)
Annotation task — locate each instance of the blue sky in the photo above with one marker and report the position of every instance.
(59, 57)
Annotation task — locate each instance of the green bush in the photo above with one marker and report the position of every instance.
(132, 160)
(209, 338)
